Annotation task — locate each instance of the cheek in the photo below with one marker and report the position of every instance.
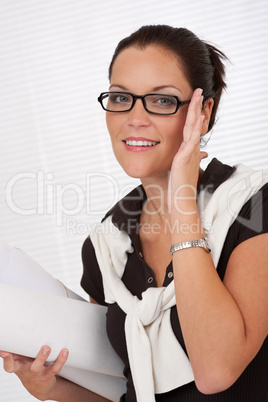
(175, 132)
(109, 122)
(114, 126)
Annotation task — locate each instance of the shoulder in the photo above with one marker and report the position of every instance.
(240, 193)
(252, 219)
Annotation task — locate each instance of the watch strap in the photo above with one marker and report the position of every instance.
(203, 243)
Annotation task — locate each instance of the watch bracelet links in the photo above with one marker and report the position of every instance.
(203, 243)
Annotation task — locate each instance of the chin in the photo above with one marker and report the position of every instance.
(142, 170)
(134, 170)
(144, 174)
(134, 173)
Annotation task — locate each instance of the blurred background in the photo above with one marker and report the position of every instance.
(58, 173)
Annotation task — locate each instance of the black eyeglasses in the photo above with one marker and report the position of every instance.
(119, 102)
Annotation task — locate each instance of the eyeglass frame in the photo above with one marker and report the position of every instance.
(135, 97)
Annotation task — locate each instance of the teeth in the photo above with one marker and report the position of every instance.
(140, 143)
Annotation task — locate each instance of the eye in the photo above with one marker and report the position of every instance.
(164, 101)
(120, 98)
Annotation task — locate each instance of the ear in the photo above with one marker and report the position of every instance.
(206, 111)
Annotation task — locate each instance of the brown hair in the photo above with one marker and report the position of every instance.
(202, 62)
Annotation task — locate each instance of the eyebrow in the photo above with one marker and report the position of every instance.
(155, 89)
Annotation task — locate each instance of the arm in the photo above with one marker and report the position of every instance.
(223, 324)
(42, 381)
(70, 392)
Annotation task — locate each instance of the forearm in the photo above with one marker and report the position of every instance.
(212, 324)
(66, 391)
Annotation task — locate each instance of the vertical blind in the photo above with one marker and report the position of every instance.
(58, 173)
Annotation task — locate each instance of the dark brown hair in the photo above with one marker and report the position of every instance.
(202, 62)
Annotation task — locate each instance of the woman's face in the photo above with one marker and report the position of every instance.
(143, 71)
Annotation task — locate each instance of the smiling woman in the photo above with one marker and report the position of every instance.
(149, 72)
(179, 299)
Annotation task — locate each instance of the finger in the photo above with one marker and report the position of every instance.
(61, 360)
(3, 354)
(194, 111)
(203, 155)
(194, 138)
(40, 360)
(197, 131)
(194, 114)
(8, 361)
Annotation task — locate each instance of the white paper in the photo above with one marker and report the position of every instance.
(18, 269)
(35, 311)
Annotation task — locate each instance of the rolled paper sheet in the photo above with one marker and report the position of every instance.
(18, 269)
(106, 385)
(30, 319)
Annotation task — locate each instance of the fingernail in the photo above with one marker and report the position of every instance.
(45, 351)
(65, 353)
(3, 355)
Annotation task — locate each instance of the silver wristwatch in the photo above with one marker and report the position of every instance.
(190, 243)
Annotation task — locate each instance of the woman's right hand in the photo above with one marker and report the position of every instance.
(38, 379)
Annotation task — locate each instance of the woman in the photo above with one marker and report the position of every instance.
(165, 87)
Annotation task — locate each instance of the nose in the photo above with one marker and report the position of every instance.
(138, 116)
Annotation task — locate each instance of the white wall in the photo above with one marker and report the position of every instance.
(58, 174)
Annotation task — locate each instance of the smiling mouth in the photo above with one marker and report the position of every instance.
(139, 143)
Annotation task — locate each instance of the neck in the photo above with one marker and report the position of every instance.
(156, 190)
